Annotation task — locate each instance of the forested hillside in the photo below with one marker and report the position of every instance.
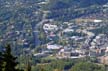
(70, 9)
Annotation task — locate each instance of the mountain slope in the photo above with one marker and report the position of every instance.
(70, 9)
(59, 4)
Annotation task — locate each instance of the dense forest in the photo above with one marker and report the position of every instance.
(71, 9)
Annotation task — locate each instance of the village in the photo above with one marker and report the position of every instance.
(86, 36)
(76, 40)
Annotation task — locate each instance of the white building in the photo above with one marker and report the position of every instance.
(97, 21)
(50, 27)
(53, 47)
(68, 30)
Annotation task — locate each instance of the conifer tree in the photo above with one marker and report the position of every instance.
(9, 60)
(1, 61)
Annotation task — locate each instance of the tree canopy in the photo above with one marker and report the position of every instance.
(8, 62)
(87, 66)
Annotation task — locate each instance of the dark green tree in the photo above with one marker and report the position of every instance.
(1, 61)
(10, 63)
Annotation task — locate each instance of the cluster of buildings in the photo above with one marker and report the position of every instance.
(86, 36)
(81, 41)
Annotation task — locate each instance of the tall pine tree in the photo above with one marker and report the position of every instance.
(1, 61)
(9, 60)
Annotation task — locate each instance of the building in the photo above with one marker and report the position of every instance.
(68, 53)
(53, 46)
(103, 60)
(50, 27)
